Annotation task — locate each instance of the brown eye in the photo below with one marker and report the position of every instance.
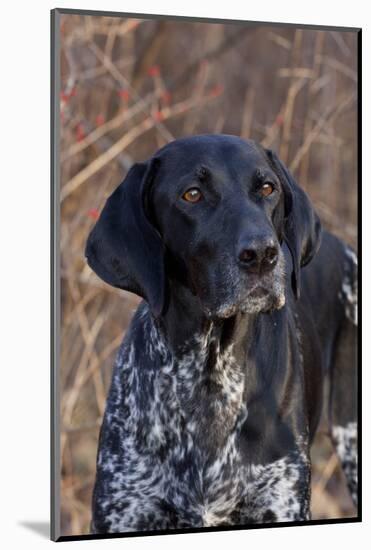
(266, 189)
(192, 195)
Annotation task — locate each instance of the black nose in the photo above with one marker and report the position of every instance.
(258, 255)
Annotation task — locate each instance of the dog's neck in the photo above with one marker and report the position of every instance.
(210, 364)
(186, 327)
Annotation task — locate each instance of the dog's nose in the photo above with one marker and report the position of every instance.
(258, 255)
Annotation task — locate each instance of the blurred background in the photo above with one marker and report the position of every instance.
(129, 86)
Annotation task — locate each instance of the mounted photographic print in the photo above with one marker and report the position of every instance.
(205, 184)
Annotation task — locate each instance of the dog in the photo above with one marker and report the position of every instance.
(248, 308)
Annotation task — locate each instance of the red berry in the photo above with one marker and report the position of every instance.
(159, 115)
(134, 25)
(80, 132)
(166, 97)
(99, 120)
(64, 97)
(124, 94)
(216, 90)
(93, 213)
(154, 70)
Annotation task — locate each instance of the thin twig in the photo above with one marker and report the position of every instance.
(125, 83)
(331, 112)
(123, 143)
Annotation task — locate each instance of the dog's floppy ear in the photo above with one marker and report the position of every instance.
(302, 227)
(124, 248)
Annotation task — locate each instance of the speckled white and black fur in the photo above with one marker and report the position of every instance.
(349, 288)
(170, 448)
(345, 442)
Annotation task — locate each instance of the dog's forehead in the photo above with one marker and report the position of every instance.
(217, 151)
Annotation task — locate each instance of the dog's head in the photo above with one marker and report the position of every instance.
(210, 212)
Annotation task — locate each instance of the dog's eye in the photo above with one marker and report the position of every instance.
(192, 195)
(266, 189)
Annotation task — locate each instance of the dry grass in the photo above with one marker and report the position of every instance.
(130, 86)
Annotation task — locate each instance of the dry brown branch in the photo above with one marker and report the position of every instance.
(313, 87)
(348, 231)
(338, 66)
(248, 113)
(327, 472)
(126, 27)
(83, 428)
(219, 124)
(200, 84)
(106, 157)
(280, 40)
(296, 72)
(293, 91)
(96, 72)
(125, 83)
(101, 131)
(100, 391)
(85, 374)
(89, 337)
(211, 55)
(341, 43)
(81, 304)
(148, 54)
(332, 112)
(273, 130)
(80, 377)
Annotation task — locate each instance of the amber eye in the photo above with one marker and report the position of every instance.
(192, 195)
(266, 189)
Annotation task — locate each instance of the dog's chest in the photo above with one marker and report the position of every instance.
(193, 429)
(201, 479)
(176, 422)
(184, 437)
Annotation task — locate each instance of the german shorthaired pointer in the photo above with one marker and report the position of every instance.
(218, 386)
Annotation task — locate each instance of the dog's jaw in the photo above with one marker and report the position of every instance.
(242, 295)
